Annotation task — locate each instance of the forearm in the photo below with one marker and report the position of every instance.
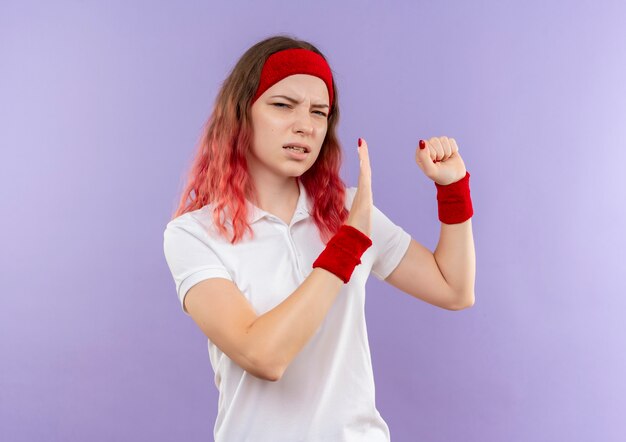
(282, 332)
(456, 259)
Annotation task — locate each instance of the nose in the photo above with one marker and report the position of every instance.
(303, 123)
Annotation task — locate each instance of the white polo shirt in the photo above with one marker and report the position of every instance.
(327, 392)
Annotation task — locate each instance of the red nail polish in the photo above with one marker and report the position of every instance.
(359, 142)
(422, 144)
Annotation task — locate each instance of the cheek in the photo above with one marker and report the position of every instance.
(269, 126)
(322, 132)
(261, 127)
(324, 126)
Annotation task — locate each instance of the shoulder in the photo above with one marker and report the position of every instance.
(199, 220)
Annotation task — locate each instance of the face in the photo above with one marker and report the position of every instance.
(292, 111)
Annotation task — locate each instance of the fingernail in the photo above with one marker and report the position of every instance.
(422, 144)
(359, 142)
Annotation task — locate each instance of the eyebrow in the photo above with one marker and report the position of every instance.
(296, 101)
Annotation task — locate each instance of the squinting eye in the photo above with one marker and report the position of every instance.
(286, 105)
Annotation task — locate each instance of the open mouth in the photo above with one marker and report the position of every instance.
(296, 149)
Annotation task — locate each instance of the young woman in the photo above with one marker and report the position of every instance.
(270, 252)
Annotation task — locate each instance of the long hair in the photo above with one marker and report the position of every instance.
(219, 172)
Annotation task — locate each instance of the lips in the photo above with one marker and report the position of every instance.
(296, 154)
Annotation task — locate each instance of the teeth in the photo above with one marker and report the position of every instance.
(299, 149)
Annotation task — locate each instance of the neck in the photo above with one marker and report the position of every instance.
(276, 196)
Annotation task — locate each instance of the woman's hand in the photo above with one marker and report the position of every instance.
(440, 160)
(361, 209)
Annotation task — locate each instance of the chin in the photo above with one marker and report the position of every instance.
(298, 170)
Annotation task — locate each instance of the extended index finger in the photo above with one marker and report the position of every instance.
(364, 155)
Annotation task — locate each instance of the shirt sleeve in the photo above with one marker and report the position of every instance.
(392, 242)
(190, 258)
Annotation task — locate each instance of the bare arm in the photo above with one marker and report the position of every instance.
(262, 345)
(282, 332)
(456, 258)
(444, 279)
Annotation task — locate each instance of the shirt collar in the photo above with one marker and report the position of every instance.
(303, 208)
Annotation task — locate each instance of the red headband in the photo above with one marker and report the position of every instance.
(294, 61)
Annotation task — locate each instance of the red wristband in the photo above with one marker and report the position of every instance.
(454, 201)
(343, 252)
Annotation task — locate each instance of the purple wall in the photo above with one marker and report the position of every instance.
(101, 105)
